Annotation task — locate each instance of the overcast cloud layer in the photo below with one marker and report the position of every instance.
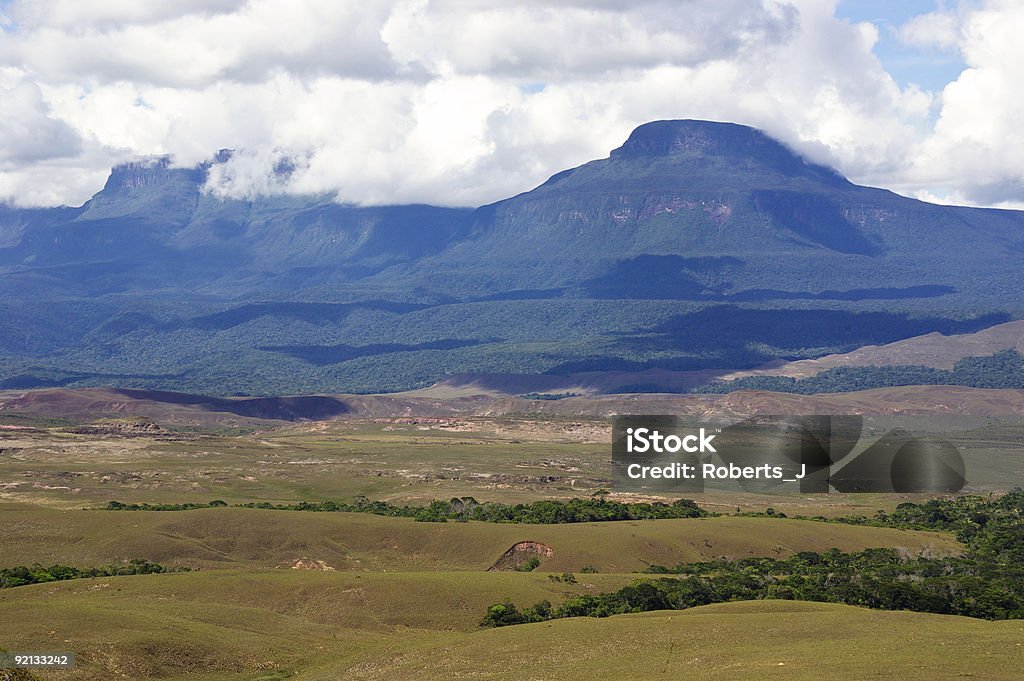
(462, 102)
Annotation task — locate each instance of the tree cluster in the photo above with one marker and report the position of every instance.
(23, 575)
(464, 509)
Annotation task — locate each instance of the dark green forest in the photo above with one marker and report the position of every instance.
(463, 509)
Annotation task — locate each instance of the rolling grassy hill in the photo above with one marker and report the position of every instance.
(233, 537)
(404, 597)
(727, 642)
(316, 626)
(932, 350)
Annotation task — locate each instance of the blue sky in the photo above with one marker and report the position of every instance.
(930, 69)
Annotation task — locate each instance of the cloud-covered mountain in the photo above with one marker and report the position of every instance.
(694, 245)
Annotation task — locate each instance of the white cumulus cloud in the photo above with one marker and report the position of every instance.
(469, 101)
(935, 29)
(975, 153)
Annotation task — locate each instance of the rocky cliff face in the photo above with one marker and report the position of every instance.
(141, 175)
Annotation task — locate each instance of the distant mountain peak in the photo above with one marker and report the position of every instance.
(711, 138)
(695, 136)
(150, 172)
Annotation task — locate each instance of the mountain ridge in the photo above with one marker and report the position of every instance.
(693, 246)
(179, 409)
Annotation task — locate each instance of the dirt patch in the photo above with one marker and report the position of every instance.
(310, 564)
(519, 555)
(137, 427)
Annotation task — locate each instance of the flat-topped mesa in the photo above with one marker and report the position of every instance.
(718, 140)
(663, 137)
(149, 173)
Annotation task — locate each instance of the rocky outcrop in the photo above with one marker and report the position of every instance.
(519, 555)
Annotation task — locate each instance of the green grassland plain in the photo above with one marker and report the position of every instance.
(391, 598)
(402, 460)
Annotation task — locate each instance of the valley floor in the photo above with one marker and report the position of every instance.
(313, 596)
